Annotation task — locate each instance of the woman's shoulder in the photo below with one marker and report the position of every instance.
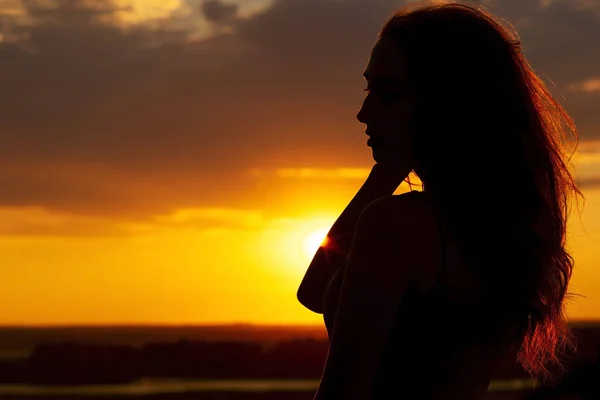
(402, 227)
(405, 209)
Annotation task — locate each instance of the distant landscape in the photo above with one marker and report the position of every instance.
(23, 340)
(209, 362)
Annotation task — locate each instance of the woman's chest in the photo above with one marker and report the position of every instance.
(331, 298)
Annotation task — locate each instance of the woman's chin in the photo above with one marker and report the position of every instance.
(378, 157)
(375, 158)
(376, 154)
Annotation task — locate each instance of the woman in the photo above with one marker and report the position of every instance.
(423, 293)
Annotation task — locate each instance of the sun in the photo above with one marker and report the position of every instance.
(314, 240)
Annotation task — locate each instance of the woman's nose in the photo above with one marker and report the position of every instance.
(360, 116)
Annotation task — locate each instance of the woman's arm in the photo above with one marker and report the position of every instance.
(392, 246)
(381, 182)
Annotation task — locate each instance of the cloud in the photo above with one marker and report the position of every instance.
(10, 7)
(101, 119)
(557, 42)
(38, 222)
(212, 218)
(323, 173)
(589, 147)
(35, 221)
(217, 11)
(579, 5)
(589, 86)
(589, 183)
(147, 104)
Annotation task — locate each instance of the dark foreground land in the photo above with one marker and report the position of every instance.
(266, 396)
(238, 396)
(50, 359)
(234, 396)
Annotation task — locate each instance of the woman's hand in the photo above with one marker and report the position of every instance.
(388, 175)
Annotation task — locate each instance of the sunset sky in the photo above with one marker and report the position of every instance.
(177, 161)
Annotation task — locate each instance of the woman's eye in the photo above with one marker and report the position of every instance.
(384, 95)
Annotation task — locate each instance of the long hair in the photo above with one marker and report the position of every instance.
(490, 142)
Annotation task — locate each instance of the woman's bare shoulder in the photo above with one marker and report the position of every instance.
(402, 209)
(397, 221)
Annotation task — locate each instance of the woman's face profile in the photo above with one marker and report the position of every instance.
(388, 105)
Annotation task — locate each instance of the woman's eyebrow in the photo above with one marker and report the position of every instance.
(382, 79)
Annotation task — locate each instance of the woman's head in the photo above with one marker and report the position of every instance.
(468, 108)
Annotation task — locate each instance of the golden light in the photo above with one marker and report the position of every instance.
(286, 246)
(315, 240)
(135, 11)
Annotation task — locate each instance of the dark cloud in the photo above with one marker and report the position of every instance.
(217, 11)
(559, 42)
(101, 119)
(589, 183)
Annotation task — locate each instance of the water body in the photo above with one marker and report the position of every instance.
(171, 386)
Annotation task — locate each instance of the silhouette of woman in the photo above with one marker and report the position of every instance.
(423, 293)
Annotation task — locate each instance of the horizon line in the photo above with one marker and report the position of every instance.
(163, 325)
(582, 321)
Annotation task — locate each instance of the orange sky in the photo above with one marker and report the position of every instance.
(150, 186)
(239, 267)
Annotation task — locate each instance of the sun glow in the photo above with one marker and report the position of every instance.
(315, 240)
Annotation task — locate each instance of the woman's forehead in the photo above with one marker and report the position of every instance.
(386, 61)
